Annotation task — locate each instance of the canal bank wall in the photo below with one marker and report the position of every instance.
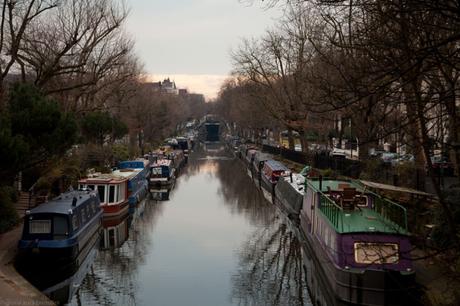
(15, 289)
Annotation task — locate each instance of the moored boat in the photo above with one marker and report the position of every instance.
(361, 240)
(185, 145)
(162, 172)
(58, 232)
(138, 173)
(271, 172)
(178, 159)
(112, 189)
(257, 163)
(289, 192)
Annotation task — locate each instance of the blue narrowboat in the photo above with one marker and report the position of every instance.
(137, 180)
(57, 232)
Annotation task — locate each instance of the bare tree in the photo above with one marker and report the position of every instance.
(16, 17)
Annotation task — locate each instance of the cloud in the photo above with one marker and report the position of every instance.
(206, 84)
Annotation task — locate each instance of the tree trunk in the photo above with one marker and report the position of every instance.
(291, 139)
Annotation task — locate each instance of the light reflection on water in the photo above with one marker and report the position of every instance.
(217, 241)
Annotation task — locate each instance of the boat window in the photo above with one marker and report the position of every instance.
(111, 194)
(361, 200)
(376, 253)
(75, 222)
(40, 226)
(91, 187)
(60, 227)
(119, 193)
(156, 171)
(101, 191)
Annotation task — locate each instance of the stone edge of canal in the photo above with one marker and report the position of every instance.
(14, 288)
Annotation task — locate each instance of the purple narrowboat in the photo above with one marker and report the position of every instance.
(360, 239)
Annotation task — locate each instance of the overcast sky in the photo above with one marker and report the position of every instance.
(190, 40)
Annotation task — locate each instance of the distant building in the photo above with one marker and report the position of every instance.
(167, 86)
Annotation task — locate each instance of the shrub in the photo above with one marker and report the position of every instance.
(441, 235)
(8, 214)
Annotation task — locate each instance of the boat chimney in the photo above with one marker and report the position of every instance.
(321, 183)
(74, 201)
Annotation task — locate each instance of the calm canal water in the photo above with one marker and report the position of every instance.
(216, 241)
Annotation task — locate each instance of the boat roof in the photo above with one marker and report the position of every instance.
(62, 203)
(275, 165)
(134, 164)
(298, 182)
(262, 156)
(115, 177)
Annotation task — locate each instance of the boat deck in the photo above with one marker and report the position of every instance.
(376, 214)
(367, 220)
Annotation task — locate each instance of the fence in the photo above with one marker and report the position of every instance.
(373, 170)
(347, 167)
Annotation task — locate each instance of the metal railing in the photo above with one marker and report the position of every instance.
(391, 212)
(333, 212)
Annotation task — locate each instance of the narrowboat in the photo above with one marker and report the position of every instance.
(59, 232)
(112, 189)
(360, 239)
(162, 172)
(178, 159)
(258, 162)
(271, 172)
(138, 173)
(249, 157)
(185, 145)
(289, 193)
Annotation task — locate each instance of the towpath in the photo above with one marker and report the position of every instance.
(14, 289)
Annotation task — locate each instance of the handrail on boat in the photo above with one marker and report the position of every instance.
(389, 210)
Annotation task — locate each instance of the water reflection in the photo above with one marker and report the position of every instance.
(62, 292)
(160, 194)
(241, 195)
(115, 231)
(113, 278)
(271, 269)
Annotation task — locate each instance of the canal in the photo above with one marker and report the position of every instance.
(213, 240)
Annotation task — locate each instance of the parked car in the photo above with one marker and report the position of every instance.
(388, 157)
(441, 165)
(407, 158)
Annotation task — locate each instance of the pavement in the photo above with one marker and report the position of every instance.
(15, 289)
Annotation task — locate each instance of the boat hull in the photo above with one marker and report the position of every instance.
(289, 199)
(115, 210)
